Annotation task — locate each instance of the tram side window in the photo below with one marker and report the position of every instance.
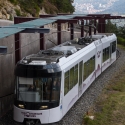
(75, 74)
(105, 54)
(113, 46)
(89, 67)
(85, 71)
(71, 77)
(66, 85)
(80, 72)
(92, 64)
(56, 89)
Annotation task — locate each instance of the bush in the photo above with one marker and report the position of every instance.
(121, 40)
(64, 6)
(11, 17)
(15, 2)
(18, 12)
(87, 120)
(52, 6)
(31, 7)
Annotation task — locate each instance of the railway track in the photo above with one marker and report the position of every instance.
(75, 114)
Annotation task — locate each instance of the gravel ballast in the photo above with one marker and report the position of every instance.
(75, 114)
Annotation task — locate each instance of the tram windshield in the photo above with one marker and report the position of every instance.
(38, 89)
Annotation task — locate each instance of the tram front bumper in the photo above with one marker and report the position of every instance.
(21, 114)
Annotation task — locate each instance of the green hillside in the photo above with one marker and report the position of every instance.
(51, 6)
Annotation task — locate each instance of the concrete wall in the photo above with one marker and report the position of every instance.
(7, 63)
(29, 43)
(7, 72)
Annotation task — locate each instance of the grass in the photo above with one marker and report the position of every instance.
(121, 40)
(109, 108)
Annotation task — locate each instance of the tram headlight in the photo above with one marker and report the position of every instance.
(44, 107)
(21, 106)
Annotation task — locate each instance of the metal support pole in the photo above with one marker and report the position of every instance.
(17, 43)
(68, 26)
(95, 26)
(90, 28)
(101, 25)
(59, 33)
(71, 31)
(82, 28)
(42, 42)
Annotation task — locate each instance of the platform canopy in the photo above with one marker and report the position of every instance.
(26, 27)
(4, 32)
(33, 26)
(34, 23)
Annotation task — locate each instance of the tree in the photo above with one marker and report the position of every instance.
(64, 6)
(110, 27)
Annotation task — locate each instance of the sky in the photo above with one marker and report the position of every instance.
(97, 6)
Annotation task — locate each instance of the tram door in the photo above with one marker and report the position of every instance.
(80, 78)
(112, 51)
(98, 65)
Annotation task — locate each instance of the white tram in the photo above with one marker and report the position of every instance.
(50, 82)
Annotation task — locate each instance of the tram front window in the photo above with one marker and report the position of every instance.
(38, 89)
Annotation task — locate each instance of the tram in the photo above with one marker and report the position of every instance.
(50, 82)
